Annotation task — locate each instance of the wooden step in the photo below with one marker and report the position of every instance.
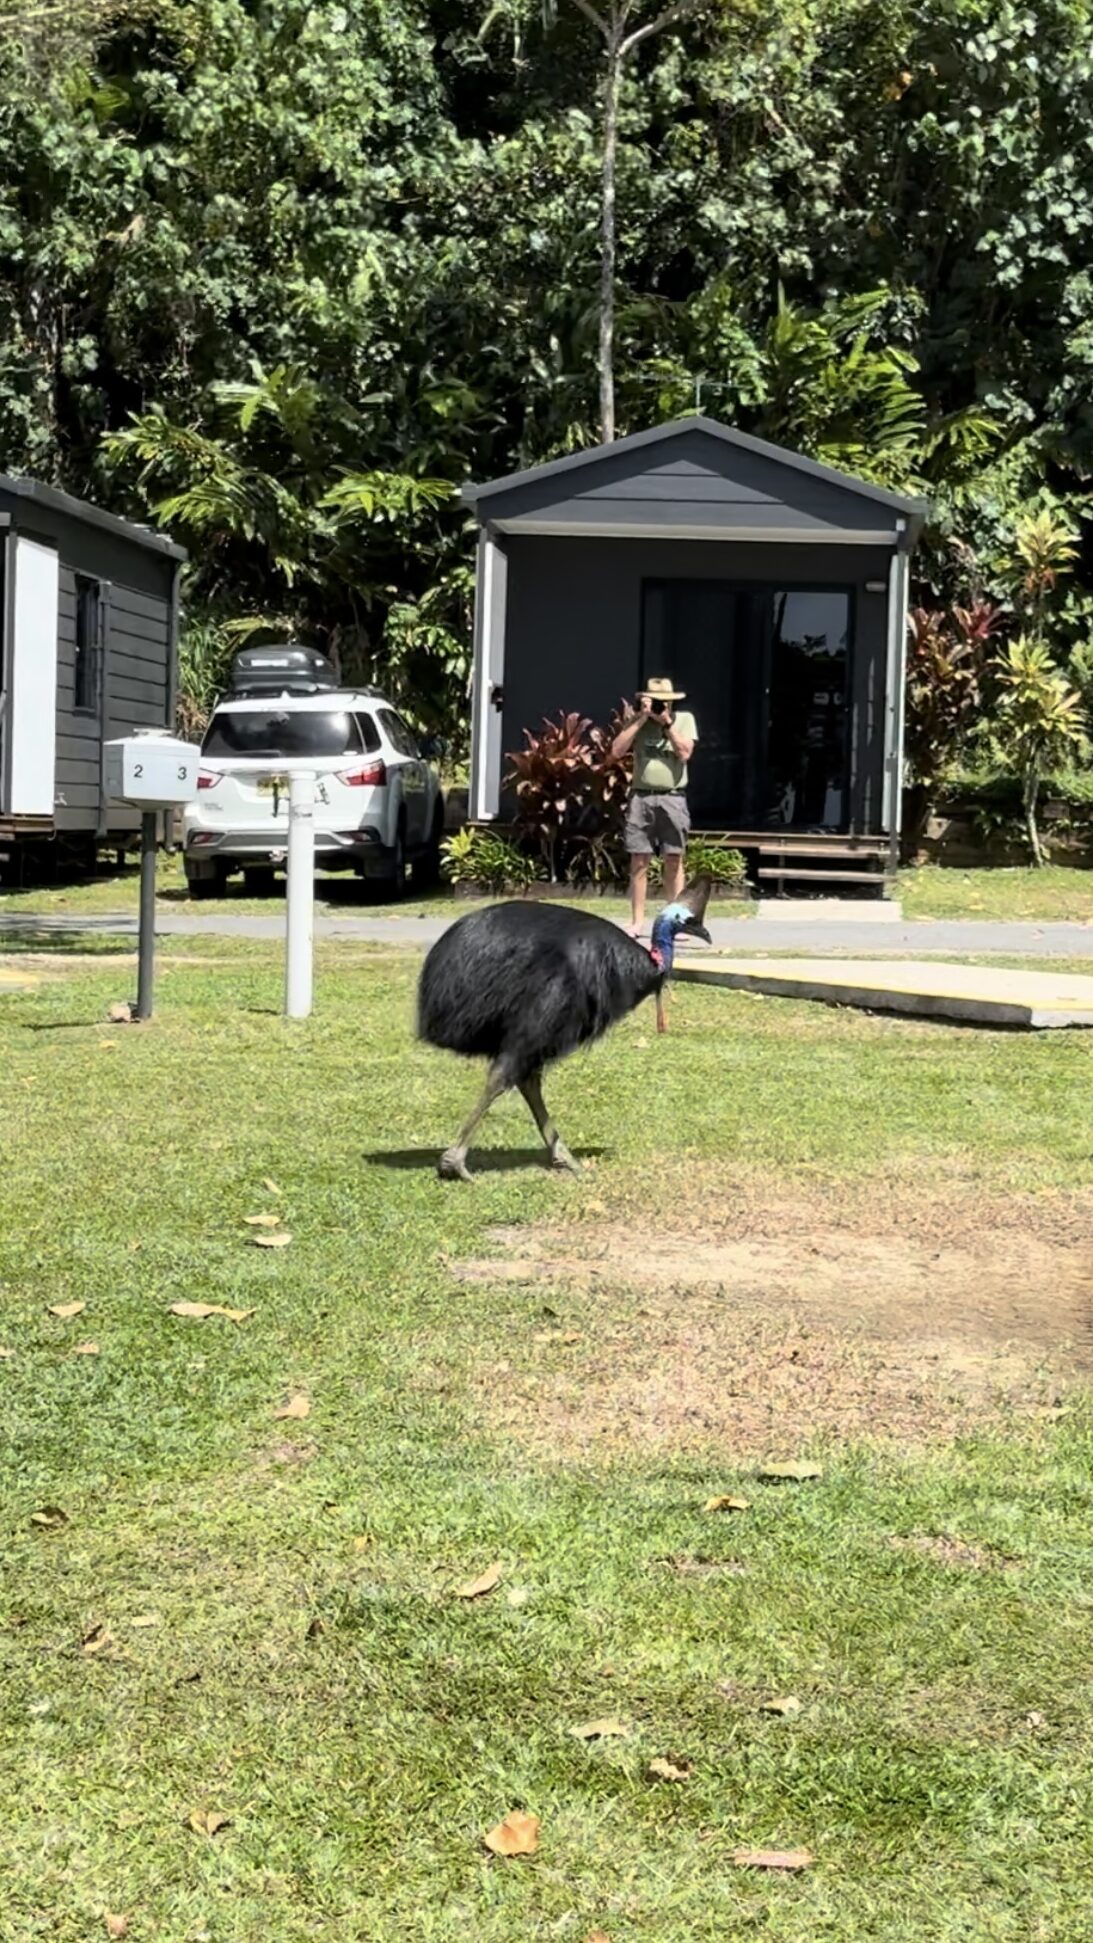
(798, 840)
(834, 850)
(872, 878)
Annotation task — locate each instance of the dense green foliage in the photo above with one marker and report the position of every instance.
(287, 273)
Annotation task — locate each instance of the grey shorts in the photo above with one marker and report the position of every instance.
(657, 822)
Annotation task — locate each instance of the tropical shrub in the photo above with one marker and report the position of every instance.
(483, 857)
(570, 796)
(1040, 723)
(946, 659)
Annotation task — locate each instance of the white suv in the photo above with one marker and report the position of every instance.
(378, 804)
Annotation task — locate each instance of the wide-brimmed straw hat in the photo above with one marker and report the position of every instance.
(659, 689)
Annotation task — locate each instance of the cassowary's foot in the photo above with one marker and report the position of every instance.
(563, 1160)
(452, 1165)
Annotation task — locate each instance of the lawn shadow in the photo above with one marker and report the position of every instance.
(19, 934)
(481, 1160)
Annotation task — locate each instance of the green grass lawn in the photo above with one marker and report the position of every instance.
(281, 1644)
(929, 892)
(1054, 893)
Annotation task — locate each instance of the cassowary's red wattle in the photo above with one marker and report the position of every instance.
(522, 984)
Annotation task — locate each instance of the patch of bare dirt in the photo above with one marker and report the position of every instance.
(781, 1320)
(955, 1552)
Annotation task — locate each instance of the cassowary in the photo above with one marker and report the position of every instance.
(524, 984)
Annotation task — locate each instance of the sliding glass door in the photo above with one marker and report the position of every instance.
(765, 671)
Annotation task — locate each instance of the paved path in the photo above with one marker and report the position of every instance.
(967, 938)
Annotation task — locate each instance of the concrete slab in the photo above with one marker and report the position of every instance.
(971, 994)
(830, 910)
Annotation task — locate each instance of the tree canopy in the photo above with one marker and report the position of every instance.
(282, 273)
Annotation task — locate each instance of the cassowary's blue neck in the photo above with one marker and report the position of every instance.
(665, 925)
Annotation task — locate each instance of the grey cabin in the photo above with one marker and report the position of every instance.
(88, 650)
(771, 588)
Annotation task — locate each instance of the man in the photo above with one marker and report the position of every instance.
(656, 815)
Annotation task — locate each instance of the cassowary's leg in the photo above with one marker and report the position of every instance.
(452, 1164)
(532, 1090)
(662, 1021)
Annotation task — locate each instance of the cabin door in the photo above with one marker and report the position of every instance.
(706, 635)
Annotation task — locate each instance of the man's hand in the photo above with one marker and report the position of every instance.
(627, 735)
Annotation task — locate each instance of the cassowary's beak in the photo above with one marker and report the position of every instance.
(696, 930)
(696, 897)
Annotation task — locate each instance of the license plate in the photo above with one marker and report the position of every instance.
(273, 785)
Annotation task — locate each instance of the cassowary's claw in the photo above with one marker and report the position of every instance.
(563, 1160)
(452, 1166)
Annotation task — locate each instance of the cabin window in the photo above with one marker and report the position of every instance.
(88, 642)
(808, 717)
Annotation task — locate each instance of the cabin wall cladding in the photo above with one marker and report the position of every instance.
(133, 687)
(594, 661)
(117, 591)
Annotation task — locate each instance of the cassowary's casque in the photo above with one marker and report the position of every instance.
(524, 984)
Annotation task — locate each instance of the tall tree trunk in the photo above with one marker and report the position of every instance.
(611, 82)
(1030, 791)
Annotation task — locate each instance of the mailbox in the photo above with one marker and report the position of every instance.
(151, 769)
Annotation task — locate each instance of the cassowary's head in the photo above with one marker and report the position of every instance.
(684, 916)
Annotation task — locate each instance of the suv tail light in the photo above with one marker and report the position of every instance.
(373, 775)
(207, 779)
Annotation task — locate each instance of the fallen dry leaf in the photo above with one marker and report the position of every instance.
(785, 1704)
(477, 1588)
(108, 1045)
(279, 1240)
(262, 1220)
(135, 1247)
(66, 1310)
(145, 1619)
(726, 1504)
(86, 1349)
(1035, 1719)
(97, 1639)
(605, 1729)
(315, 1628)
(297, 1406)
(663, 1769)
(518, 1834)
(208, 1821)
(6, 1352)
(116, 1925)
(518, 1596)
(791, 1473)
(597, 1936)
(49, 1517)
(271, 1187)
(121, 1014)
(772, 1859)
(199, 1310)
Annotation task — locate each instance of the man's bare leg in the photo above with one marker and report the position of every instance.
(673, 877)
(639, 879)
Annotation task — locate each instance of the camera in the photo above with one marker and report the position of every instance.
(657, 708)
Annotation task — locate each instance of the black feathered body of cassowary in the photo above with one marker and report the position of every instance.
(523, 984)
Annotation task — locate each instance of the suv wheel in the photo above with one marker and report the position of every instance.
(205, 880)
(396, 875)
(427, 865)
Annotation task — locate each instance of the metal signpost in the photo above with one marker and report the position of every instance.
(156, 772)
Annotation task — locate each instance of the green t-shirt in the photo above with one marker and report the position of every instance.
(656, 764)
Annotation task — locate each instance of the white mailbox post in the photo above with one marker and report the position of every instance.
(154, 771)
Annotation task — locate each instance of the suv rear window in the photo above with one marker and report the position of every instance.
(281, 732)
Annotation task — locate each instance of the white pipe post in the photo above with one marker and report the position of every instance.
(300, 896)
